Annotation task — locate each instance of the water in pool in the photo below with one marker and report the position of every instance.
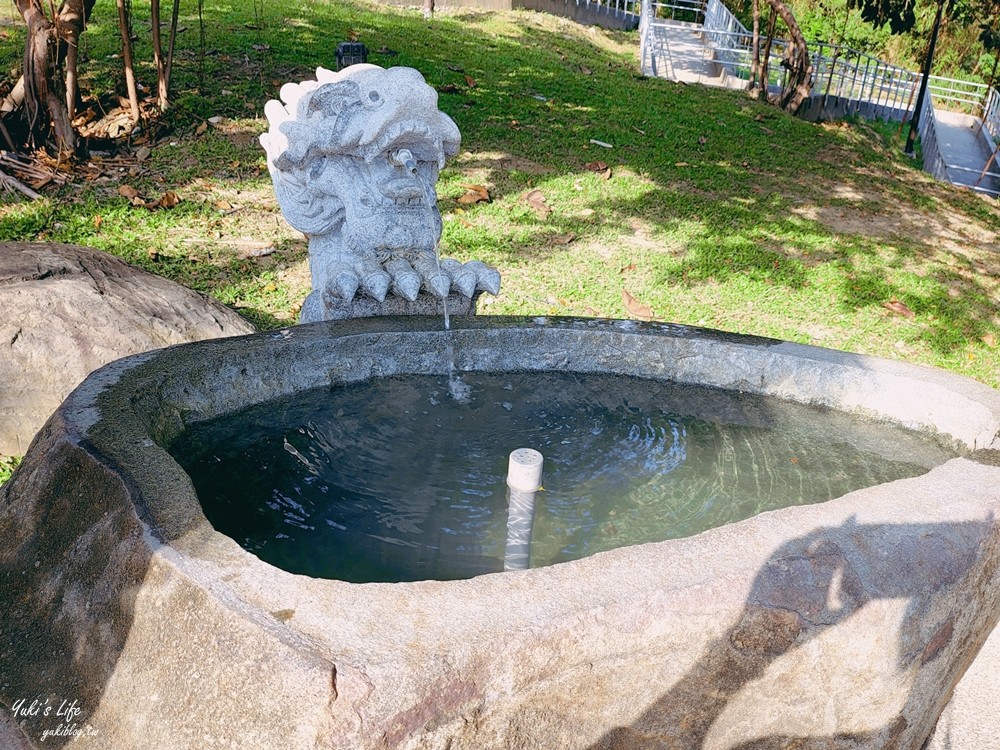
(394, 479)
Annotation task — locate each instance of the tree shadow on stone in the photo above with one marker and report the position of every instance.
(810, 585)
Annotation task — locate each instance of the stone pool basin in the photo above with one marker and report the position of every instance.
(844, 624)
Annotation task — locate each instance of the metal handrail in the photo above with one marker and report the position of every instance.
(934, 163)
(991, 116)
(617, 7)
(838, 70)
(856, 78)
(668, 10)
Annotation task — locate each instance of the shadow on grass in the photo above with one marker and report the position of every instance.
(708, 169)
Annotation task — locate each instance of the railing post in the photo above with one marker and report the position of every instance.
(644, 11)
(829, 81)
(817, 61)
(854, 81)
(866, 88)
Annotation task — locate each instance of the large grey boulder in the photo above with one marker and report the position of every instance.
(843, 625)
(67, 310)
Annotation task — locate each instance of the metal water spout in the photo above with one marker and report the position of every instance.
(401, 157)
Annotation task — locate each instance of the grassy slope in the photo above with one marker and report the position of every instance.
(720, 212)
(7, 466)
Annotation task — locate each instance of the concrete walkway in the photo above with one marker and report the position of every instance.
(966, 150)
(678, 52)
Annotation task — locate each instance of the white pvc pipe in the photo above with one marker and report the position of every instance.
(524, 470)
(524, 479)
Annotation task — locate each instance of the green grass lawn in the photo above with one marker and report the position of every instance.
(719, 211)
(7, 466)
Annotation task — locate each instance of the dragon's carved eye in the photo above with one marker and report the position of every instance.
(317, 167)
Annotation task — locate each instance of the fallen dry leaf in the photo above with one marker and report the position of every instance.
(600, 168)
(127, 191)
(470, 81)
(98, 220)
(760, 118)
(561, 239)
(635, 307)
(989, 339)
(900, 308)
(766, 131)
(626, 269)
(143, 153)
(169, 199)
(224, 205)
(585, 70)
(252, 249)
(681, 164)
(154, 255)
(536, 200)
(474, 194)
(201, 129)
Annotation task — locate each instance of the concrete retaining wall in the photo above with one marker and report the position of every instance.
(589, 13)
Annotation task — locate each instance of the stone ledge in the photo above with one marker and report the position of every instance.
(839, 625)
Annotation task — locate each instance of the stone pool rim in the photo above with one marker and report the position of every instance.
(211, 378)
(395, 665)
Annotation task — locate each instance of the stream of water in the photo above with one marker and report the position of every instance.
(457, 389)
(430, 201)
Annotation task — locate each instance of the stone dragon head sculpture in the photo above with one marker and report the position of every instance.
(354, 157)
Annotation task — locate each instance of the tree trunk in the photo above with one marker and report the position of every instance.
(15, 99)
(71, 81)
(133, 94)
(161, 69)
(45, 93)
(70, 22)
(765, 67)
(800, 70)
(173, 37)
(752, 86)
